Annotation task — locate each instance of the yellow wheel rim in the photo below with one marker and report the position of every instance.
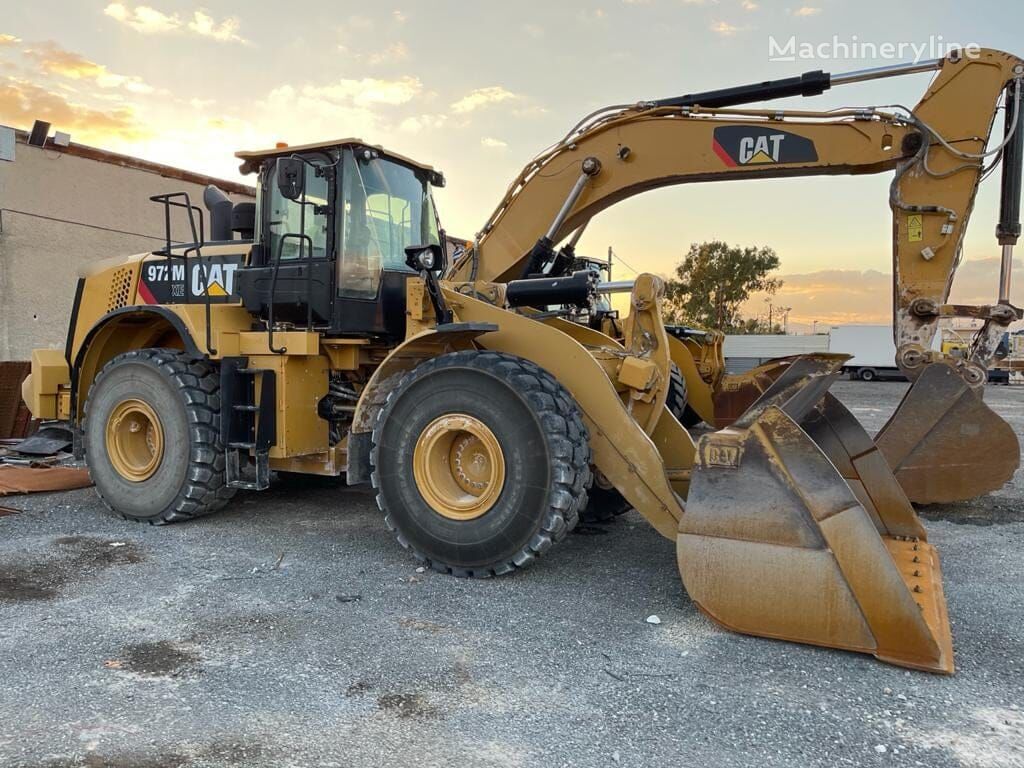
(459, 466)
(135, 440)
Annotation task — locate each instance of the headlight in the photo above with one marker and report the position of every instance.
(426, 259)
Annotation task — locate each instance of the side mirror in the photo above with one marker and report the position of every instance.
(291, 177)
(425, 258)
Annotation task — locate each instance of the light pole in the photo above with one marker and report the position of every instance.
(785, 318)
(814, 327)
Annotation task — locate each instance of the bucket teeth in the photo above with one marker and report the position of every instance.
(787, 538)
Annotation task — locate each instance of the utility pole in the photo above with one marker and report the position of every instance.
(785, 318)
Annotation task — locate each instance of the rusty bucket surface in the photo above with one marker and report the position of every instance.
(787, 537)
(944, 443)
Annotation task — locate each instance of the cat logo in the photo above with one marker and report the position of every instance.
(755, 149)
(221, 278)
(739, 145)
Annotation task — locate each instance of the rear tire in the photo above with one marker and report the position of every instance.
(531, 456)
(151, 434)
(868, 374)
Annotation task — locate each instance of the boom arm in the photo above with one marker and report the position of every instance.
(935, 150)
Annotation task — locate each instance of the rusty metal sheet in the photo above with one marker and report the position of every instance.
(15, 480)
(14, 417)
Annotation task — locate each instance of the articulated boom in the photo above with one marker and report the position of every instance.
(937, 154)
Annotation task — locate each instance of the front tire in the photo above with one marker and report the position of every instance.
(152, 437)
(677, 401)
(481, 463)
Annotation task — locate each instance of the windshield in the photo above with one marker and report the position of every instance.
(384, 208)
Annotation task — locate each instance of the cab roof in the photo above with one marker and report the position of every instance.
(252, 158)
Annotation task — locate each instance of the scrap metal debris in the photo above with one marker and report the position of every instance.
(40, 479)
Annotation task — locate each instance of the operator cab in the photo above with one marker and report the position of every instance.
(333, 221)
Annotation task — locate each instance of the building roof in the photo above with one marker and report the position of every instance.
(252, 157)
(135, 163)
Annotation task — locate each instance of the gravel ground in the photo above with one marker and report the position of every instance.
(291, 630)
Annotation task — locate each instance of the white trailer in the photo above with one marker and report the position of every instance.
(873, 350)
(743, 352)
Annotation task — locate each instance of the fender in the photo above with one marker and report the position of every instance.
(442, 339)
(146, 325)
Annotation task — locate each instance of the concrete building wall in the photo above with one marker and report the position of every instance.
(61, 208)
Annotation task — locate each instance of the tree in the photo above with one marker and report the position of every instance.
(712, 282)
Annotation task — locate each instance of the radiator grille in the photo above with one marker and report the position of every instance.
(120, 289)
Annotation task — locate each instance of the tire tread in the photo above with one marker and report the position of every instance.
(205, 489)
(565, 434)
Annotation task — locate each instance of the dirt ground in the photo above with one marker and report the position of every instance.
(291, 630)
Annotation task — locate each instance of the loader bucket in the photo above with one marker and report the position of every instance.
(789, 538)
(944, 444)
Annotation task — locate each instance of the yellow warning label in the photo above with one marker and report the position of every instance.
(915, 228)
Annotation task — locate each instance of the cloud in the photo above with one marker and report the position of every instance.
(142, 18)
(749, 5)
(366, 92)
(22, 102)
(150, 21)
(399, 16)
(392, 53)
(836, 296)
(9, 39)
(482, 97)
(536, 31)
(807, 10)
(724, 28)
(225, 31)
(417, 123)
(54, 60)
(491, 143)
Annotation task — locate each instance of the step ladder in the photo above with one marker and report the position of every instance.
(248, 428)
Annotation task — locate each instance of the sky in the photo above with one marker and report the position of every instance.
(476, 89)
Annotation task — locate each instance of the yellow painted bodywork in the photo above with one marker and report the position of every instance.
(42, 388)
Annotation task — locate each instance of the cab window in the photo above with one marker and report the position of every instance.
(306, 216)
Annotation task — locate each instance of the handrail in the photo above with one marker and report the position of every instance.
(169, 200)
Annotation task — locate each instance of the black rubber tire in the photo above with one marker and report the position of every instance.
(677, 400)
(605, 505)
(867, 374)
(547, 462)
(185, 394)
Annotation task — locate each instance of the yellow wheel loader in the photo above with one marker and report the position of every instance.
(332, 337)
